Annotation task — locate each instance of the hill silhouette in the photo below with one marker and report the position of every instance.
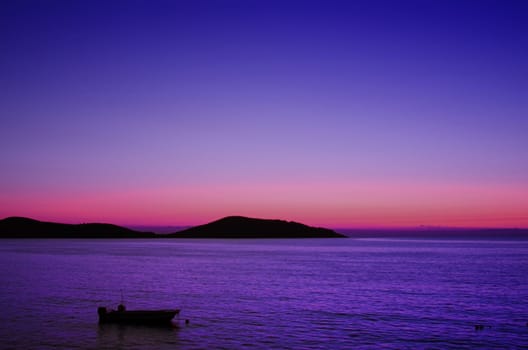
(229, 227)
(19, 227)
(244, 227)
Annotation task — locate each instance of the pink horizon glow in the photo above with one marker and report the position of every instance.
(338, 205)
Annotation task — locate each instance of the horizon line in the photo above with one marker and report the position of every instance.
(421, 227)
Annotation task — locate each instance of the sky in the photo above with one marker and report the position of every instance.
(331, 113)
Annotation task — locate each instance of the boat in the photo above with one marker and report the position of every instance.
(122, 315)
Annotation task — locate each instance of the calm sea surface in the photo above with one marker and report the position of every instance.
(266, 294)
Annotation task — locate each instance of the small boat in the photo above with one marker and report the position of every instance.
(122, 315)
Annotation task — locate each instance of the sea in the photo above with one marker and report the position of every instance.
(266, 294)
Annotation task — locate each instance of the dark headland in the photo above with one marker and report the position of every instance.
(243, 227)
(229, 227)
(18, 227)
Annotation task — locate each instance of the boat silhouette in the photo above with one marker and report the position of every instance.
(148, 317)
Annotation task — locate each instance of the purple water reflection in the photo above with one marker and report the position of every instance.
(267, 294)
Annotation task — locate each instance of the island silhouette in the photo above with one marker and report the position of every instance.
(244, 227)
(240, 227)
(20, 227)
(228, 227)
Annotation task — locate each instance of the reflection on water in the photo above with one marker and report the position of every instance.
(118, 336)
(262, 294)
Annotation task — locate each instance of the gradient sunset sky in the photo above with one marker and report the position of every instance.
(338, 114)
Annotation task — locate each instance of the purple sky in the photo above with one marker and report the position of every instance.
(358, 113)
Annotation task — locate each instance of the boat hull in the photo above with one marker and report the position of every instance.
(138, 316)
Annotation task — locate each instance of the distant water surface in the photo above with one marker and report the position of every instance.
(267, 294)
